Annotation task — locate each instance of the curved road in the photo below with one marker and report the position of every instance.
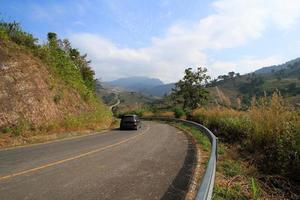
(112, 106)
(152, 163)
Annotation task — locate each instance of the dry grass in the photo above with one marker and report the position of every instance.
(166, 114)
(269, 131)
(71, 126)
(148, 114)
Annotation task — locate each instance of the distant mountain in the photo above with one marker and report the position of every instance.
(136, 83)
(161, 90)
(145, 85)
(275, 68)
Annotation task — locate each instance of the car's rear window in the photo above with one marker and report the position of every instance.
(128, 118)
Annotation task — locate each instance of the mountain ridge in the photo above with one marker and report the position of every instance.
(143, 84)
(274, 68)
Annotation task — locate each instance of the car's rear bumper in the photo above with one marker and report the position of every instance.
(128, 127)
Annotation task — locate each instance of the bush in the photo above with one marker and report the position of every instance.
(269, 128)
(231, 168)
(3, 35)
(14, 32)
(57, 97)
(178, 112)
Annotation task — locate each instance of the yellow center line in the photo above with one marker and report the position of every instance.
(71, 158)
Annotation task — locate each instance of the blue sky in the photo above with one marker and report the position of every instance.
(161, 38)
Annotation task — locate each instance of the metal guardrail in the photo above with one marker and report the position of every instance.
(207, 184)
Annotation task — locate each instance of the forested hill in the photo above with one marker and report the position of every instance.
(275, 68)
(45, 87)
(233, 87)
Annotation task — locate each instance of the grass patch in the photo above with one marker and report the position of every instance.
(232, 193)
(201, 139)
(231, 168)
(234, 180)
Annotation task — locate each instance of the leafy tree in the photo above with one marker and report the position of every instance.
(191, 89)
(231, 74)
(280, 74)
(291, 87)
(254, 87)
(179, 112)
(52, 39)
(83, 65)
(213, 83)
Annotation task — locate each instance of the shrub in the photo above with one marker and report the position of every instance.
(231, 168)
(57, 98)
(3, 35)
(6, 130)
(269, 128)
(14, 31)
(178, 112)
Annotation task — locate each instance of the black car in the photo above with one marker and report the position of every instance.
(130, 122)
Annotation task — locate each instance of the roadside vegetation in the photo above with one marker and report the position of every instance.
(268, 132)
(259, 145)
(70, 71)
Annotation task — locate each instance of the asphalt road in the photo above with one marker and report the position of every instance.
(154, 162)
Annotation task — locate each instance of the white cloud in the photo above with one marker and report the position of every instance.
(244, 65)
(234, 23)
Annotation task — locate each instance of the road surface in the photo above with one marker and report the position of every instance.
(154, 162)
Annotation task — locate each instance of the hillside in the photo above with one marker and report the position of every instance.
(41, 89)
(234, 89)
(275, 68)
(128, 100)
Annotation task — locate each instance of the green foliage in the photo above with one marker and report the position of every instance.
(110, 98)
(57, 97)
(232, 193)
(6, 130)
(20, 127)
(59, 56)
(232, 129)
(179, 112)
(82, 65)
(190, 90)
(253, 86)
(140, 112)
(268, 128)
(231, 168)
(67, 66)
(197, 134)
(14, 32)
(255, 190)
(3, 35)
(67, 63)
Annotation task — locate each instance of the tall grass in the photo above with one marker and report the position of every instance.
(269, 129)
